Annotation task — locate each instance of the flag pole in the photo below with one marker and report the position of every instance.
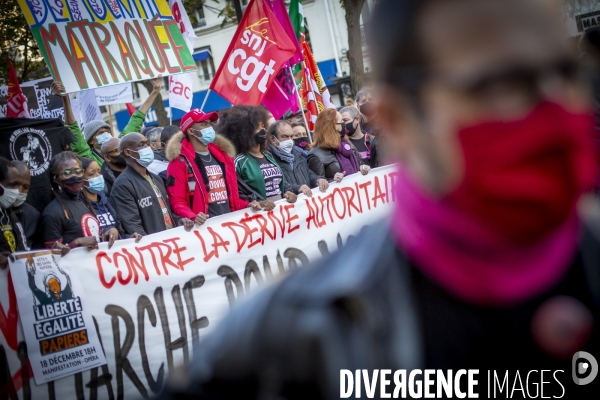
(204, 101)
(110, 118)
(301, 108)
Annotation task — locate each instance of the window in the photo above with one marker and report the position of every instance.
(200, 18)
(205, 64)
(135, 91)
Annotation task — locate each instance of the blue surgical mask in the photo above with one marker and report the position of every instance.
(96, 185)
(103, 137)
(146, 156)
(208, 135)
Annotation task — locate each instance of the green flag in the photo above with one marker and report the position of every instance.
(297, 18)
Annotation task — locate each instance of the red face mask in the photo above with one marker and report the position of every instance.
(523, 178)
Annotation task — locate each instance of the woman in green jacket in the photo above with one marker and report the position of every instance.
(259, 175)
(88, 143)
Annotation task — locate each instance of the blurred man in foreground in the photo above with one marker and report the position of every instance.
(486, 264)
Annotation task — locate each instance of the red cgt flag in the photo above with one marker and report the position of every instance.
(255, 55)
(16, 105)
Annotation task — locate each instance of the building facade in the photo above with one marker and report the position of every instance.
(325, 20)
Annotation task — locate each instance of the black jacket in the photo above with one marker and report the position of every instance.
(137, 205)
(301, 175)
(29, 217)
(323, 162)
(22, 228)
(109, 178)
(367, 307)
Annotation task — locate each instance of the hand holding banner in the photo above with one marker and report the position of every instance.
(155, 300)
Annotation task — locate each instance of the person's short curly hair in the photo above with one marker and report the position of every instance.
(239, 123)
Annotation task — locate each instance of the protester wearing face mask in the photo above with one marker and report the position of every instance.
(114, 163)
(368, 110)
(201, 178)
(361, 141)
(490, 259)
(301, 140)
(70, 219)
(96, 133)
(259, 175)
(12, 235)
(93, 189)
(332, 155)
(139, 196)
(28, 215)
(160, 163)
(292, 163)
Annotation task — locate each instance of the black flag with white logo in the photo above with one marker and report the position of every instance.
(35, 142)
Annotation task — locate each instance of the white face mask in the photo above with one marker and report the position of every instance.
(20, 200)
(9, 197)
(286, 145)
(103, 137)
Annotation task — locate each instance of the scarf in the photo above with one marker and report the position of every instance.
(346, 157)
(509, 231)
(287, 157)
(300, 150)
(470, 260)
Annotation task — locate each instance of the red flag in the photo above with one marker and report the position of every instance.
(314, 93)
(311, 98)
(16, 105)
(255, 55)
(130, 108)
(280, 12)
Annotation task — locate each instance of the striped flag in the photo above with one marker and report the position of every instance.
(309, 81)
(315, 95)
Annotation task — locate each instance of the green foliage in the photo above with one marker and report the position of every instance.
(18, 45)
(223, 8)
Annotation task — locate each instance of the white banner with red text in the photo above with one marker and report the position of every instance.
(152, 302)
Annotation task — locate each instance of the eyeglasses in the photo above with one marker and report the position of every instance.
(70, 172)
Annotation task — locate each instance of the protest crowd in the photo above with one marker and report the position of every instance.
(106, 188)
(489, 259)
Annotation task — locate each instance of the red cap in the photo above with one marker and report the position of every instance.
(195, 115)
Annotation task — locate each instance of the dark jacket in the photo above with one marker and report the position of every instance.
(29, 217)
(367, 308)
(21, 228)
(137, 205)
(323, 162)
(106, 215)
(109, 178)
(301, 175)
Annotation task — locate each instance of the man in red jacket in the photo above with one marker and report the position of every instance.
(201, 179)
